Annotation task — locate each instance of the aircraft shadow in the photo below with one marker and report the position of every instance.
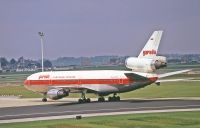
(107, 102)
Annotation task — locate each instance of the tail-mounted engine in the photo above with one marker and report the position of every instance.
(146, 64)
(57, 93)
(160, 62)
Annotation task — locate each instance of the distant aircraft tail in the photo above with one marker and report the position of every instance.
(151, 47)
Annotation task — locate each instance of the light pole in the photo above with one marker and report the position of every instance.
(41, 34)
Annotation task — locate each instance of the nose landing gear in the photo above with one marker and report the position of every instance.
(44, 99)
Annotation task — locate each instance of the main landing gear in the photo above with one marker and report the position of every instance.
(44, 99)
(101, 99)
(83, 99)
(114, 98)
(110, 99)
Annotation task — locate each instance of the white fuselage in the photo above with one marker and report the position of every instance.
(97, 81)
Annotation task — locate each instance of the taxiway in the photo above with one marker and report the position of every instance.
(72, 109)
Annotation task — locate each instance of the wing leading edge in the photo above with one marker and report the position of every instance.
(160, 76)
(173, 73)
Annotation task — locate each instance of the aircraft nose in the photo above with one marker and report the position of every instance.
(26, 82)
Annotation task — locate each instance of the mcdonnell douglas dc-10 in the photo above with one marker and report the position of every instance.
(58, 84)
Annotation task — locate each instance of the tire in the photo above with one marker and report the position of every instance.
(117, 98)
(110, 99)
(44, 100)
(101, 99)
(80, 100)
(88, 100)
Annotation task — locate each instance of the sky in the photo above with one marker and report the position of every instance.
(75, 28)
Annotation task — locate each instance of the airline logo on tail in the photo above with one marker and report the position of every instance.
(149, 52)
(151, 47)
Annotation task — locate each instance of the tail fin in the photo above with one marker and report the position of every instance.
(151, 47)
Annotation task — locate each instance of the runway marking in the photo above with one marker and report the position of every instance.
(98, 110)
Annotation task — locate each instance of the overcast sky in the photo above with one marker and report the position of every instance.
(97, 27)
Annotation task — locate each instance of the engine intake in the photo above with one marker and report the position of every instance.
(160, 62)
(56, 93)
(145, 64)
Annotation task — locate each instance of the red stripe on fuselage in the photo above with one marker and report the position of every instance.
(84, 81)
(153, 79)
(79, 81)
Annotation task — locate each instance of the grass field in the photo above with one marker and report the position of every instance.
(158, 120)
(17, 91)
(165, 90)
(13, 78)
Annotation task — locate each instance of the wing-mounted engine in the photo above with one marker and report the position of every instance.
(57, 93)
(146, 64)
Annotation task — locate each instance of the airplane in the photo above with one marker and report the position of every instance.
(59, 84)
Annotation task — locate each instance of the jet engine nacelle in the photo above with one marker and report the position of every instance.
(145, 64)
(160, 62)
(56, 93)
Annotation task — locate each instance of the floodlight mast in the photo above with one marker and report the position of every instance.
(41, 34)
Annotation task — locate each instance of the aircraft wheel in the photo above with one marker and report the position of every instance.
(44, 100)
(84, 100)
(117, 98)
(80, 100)
(101, 99)
(88, 100)
(114, 98)
(110, 98)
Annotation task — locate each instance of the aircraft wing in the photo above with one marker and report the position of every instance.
(160, 76)
(173, 73)
(72, 88)
(175, 80)
(135, 77)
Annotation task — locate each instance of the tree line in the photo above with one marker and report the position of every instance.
(21, 63)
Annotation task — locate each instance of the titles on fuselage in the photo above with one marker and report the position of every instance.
(44, 77)
(64, 77)
(55, 77)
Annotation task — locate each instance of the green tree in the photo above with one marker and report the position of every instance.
(47, 64)
(3, 61)
(13, 61)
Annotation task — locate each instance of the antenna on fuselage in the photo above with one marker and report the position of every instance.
(41, 34)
